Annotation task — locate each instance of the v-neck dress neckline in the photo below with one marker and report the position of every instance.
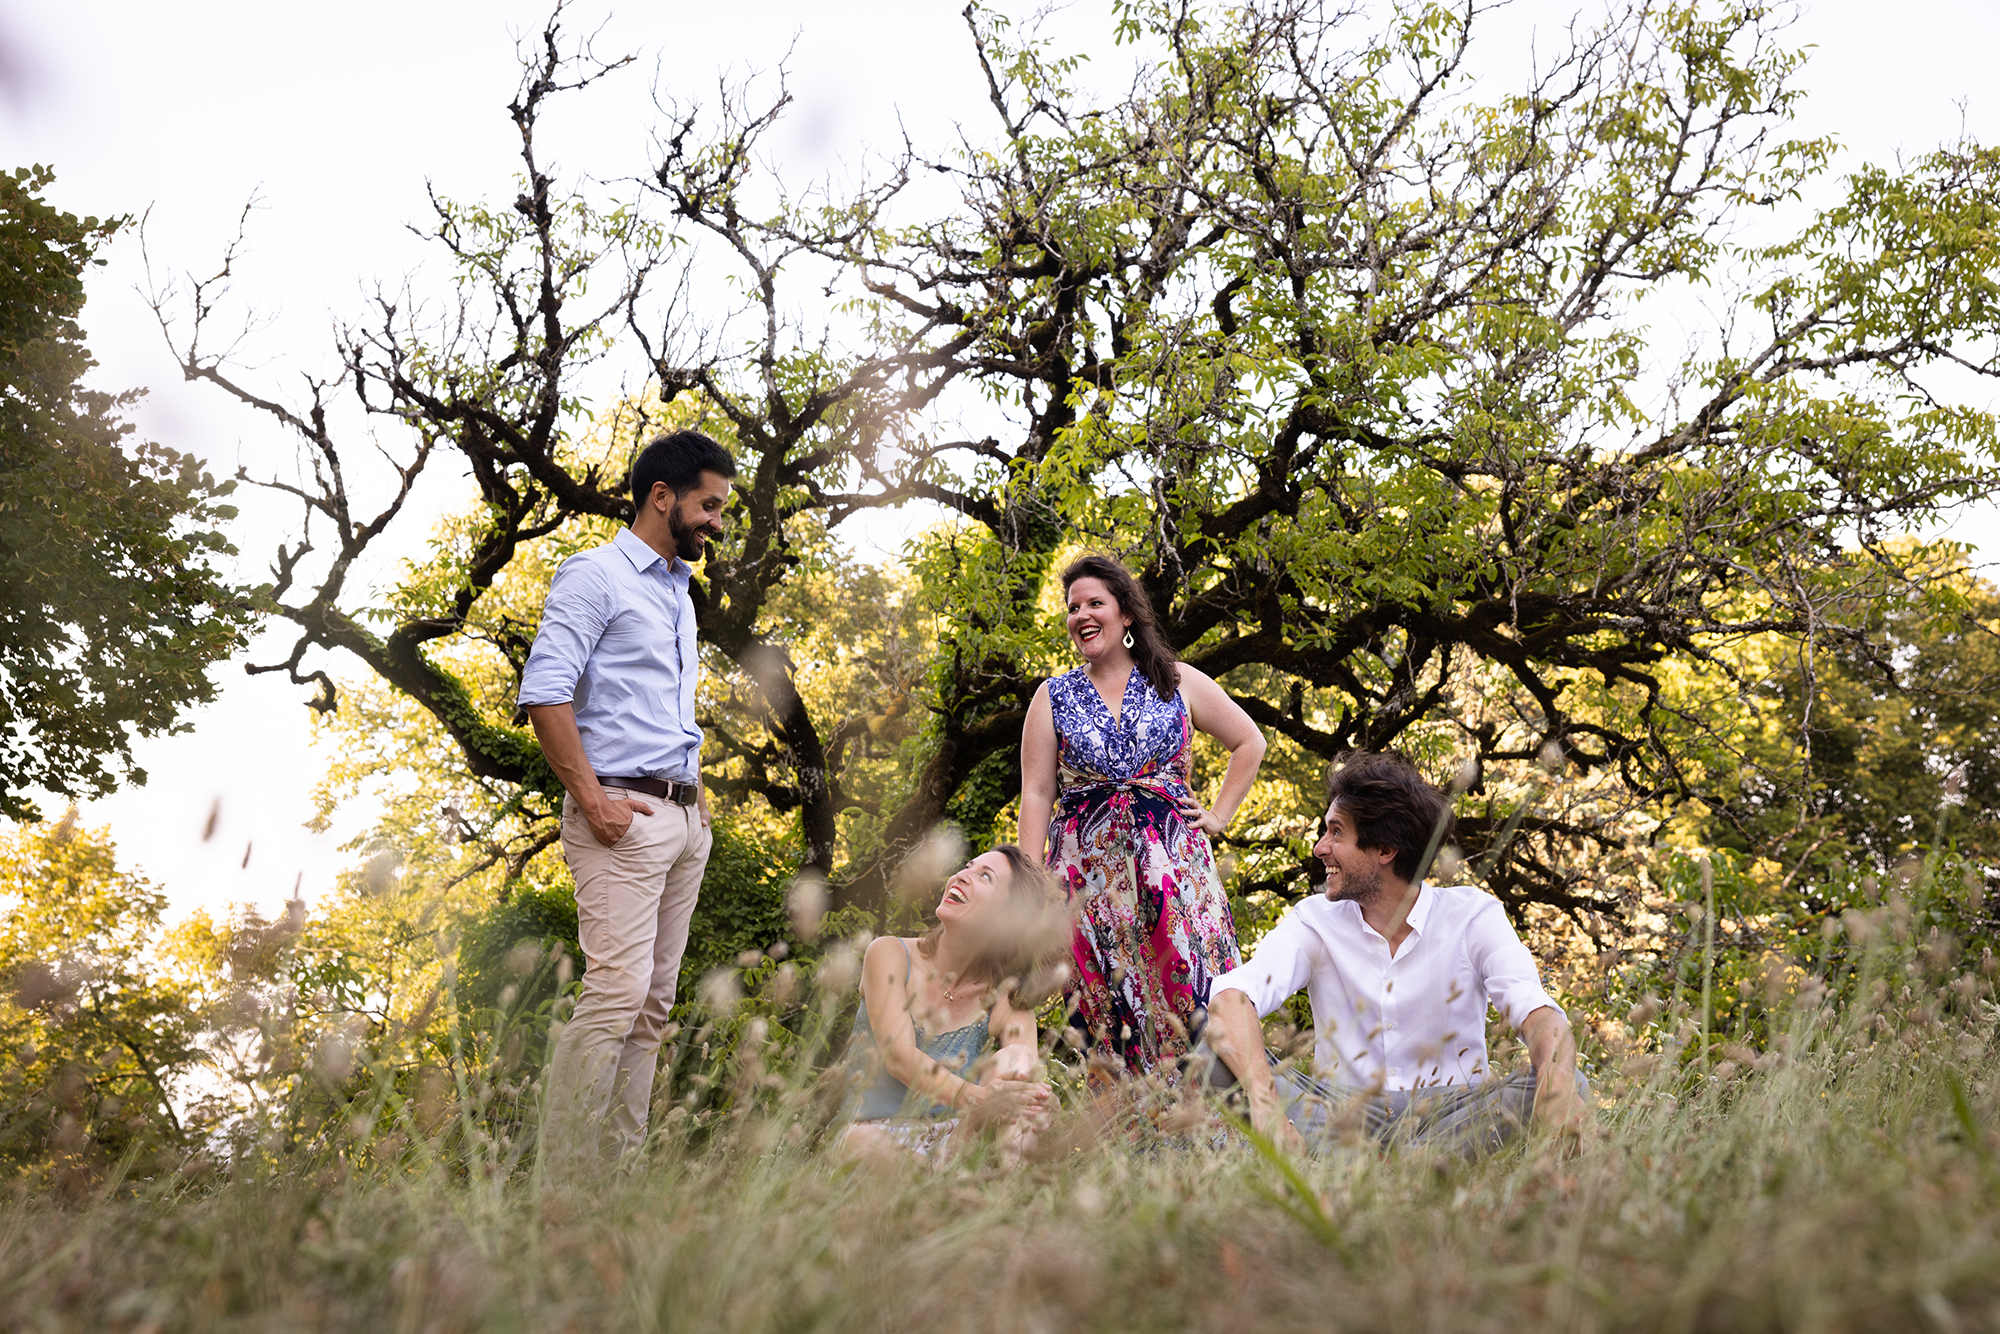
(1124, 697)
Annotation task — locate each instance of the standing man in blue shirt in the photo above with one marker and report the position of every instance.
(610, 689)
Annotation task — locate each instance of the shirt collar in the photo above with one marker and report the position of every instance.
(642, 556)
(1420, 911)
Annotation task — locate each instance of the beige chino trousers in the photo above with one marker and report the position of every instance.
(633, 902)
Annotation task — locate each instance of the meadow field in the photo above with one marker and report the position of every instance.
(1589, 428)
(1843, 1178)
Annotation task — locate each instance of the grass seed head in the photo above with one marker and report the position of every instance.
(378, 877)
(719, 990)
(39, 985)
(928, 866)
(839, 969)
(524, 958)
(806, 903)
(1450, 864)
(339, 1051)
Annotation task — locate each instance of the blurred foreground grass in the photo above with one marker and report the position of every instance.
(1845, 1180)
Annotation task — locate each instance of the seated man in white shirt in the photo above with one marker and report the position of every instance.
(1399, 972)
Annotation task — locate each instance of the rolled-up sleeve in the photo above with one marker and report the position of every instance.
(1281, 965)
(573, 619)
(1504, 967)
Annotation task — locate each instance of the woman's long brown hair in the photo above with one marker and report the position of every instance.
(1149, 647)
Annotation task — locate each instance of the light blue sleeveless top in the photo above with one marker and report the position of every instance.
(889, 1097)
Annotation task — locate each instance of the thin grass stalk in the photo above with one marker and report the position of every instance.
(1707, 950)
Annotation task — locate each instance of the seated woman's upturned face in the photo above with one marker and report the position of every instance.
(974, 891)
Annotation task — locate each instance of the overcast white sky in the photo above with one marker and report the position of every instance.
(335, 116)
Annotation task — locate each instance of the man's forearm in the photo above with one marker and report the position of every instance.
(1236, 1035)
(1552, 1053)
(562, 746)
(1551, 1045)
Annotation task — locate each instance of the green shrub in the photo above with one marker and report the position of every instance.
(519, 943)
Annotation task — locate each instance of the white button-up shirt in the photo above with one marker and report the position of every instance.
(617, 641)
(1414, 1019)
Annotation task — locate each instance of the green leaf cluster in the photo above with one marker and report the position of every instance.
(113, 601)
(105, 1015)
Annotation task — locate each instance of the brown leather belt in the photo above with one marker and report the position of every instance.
(681, 794)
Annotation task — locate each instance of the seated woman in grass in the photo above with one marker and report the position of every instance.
(932, 1005)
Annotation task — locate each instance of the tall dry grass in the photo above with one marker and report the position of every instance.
(1844, 1179)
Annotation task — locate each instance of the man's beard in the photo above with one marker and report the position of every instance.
(1363, 891)
(688, 542)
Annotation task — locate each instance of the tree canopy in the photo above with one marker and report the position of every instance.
(1347, 354)
(112, 603)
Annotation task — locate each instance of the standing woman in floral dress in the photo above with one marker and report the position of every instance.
(1105, 763)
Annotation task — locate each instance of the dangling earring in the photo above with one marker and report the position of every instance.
(1128, 639)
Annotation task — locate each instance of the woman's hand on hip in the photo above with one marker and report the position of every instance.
(1200, 817)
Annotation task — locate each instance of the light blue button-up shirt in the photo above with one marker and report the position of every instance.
(617, 642)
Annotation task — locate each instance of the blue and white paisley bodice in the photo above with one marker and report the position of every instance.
(1145, 746)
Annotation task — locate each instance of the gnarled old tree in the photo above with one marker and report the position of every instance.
(1352, 365)
(1348, 361)
(547, 290)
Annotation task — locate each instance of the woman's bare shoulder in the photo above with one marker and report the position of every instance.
(1189, 672)
(886, 950)
(1194, 681)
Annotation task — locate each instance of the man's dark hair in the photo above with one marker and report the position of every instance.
(1389, 805)
(679, 460)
